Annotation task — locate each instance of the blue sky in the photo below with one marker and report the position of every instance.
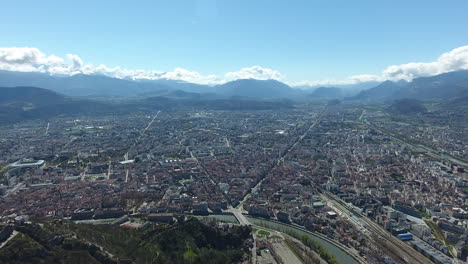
(301, 40)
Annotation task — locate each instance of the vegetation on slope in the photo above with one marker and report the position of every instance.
(188, 242)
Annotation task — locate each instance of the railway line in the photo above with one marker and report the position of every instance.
(392, 246)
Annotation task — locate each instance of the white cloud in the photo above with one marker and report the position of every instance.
(190, 76)
(350, 80)
(255, 72)
(21, 55)
(28, 59)
(34, 60)
(77, 63)
(455, 60)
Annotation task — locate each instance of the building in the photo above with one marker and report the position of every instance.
(162, 218)
(420, 230)
(283, 217)
(430, 252)
(27, 163)
(82, 214)
(259, 211)
(21, 219)
(331, 215)
(451, 227)
(109, 213)
(407, 210)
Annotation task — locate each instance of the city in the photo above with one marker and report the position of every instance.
(333, 170)
(234, 132)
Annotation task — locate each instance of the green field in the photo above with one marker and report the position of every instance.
(263, 233)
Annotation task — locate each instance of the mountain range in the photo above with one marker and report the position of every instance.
(323, 92)
(79, 84)
(102, 86)
(257, 89)
(407, 107)
(385, 90)
(79, 94)
(25, 103)
(443, 86)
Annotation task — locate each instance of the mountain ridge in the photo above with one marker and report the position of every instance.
(444, 86)
(24, 103)
(256, 89)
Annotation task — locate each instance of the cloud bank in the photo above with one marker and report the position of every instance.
(26, 59)
(454, 60)
(255, 72)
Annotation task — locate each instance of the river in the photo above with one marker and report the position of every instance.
(340, 255)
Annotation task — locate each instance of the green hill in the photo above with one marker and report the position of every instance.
(407, 106)
(187, 242)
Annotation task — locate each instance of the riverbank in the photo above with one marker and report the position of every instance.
(341, 253)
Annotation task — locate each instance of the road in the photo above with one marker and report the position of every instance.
(14, 189)
(278, 162)
(254, 248)
(362, 115)
(397, 249)
(141, 134)
(281, 159)
(239, 216)
(301, 137)
(47, 128)
(212, 180)
(243, 221)
(15, 233)
(109, 170)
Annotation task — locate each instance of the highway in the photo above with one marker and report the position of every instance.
(392, 246)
